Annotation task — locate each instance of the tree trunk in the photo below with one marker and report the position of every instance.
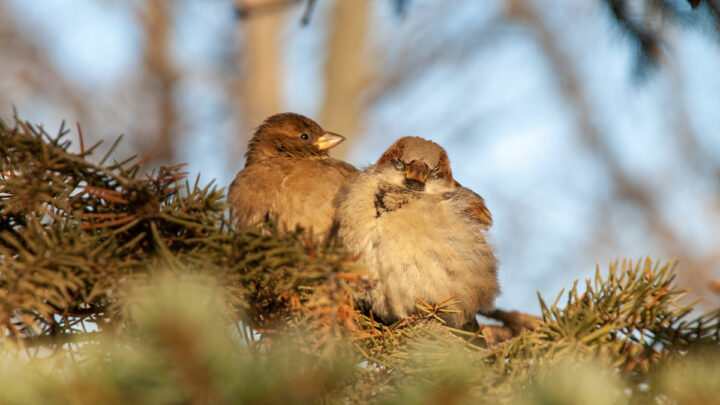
(345, 72)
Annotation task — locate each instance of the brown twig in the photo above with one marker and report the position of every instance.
(309, 7)
(244, 10)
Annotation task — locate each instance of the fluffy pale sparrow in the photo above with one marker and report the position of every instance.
(289, 176)
(420, 233)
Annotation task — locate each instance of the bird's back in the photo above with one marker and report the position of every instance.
(293, 192)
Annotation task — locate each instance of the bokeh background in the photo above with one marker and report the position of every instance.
(592, 128)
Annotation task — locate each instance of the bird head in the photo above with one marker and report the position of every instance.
(417, 164)
(290, 135)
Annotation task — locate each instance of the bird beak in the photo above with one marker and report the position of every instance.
(417, 171)
(328, 140)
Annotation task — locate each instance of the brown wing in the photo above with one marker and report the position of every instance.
(253, 193)
(476, 208)
(480, 213)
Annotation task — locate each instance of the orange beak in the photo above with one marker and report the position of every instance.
(417, 171)
(329, 140)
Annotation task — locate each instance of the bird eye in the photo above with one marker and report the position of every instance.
(304, 136)
(399, 164)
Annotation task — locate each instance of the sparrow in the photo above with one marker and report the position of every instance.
(420, 234)
(288, 176)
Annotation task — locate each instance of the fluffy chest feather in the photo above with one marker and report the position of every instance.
(386, 214)
(417, 245)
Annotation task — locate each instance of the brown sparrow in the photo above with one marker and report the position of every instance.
(288, 175)
(420, 233)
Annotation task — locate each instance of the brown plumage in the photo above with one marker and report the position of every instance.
(289, 176)
(420, 233)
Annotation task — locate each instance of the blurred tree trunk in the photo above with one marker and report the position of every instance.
(257, 91)
(160, 78)
(346, 71)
